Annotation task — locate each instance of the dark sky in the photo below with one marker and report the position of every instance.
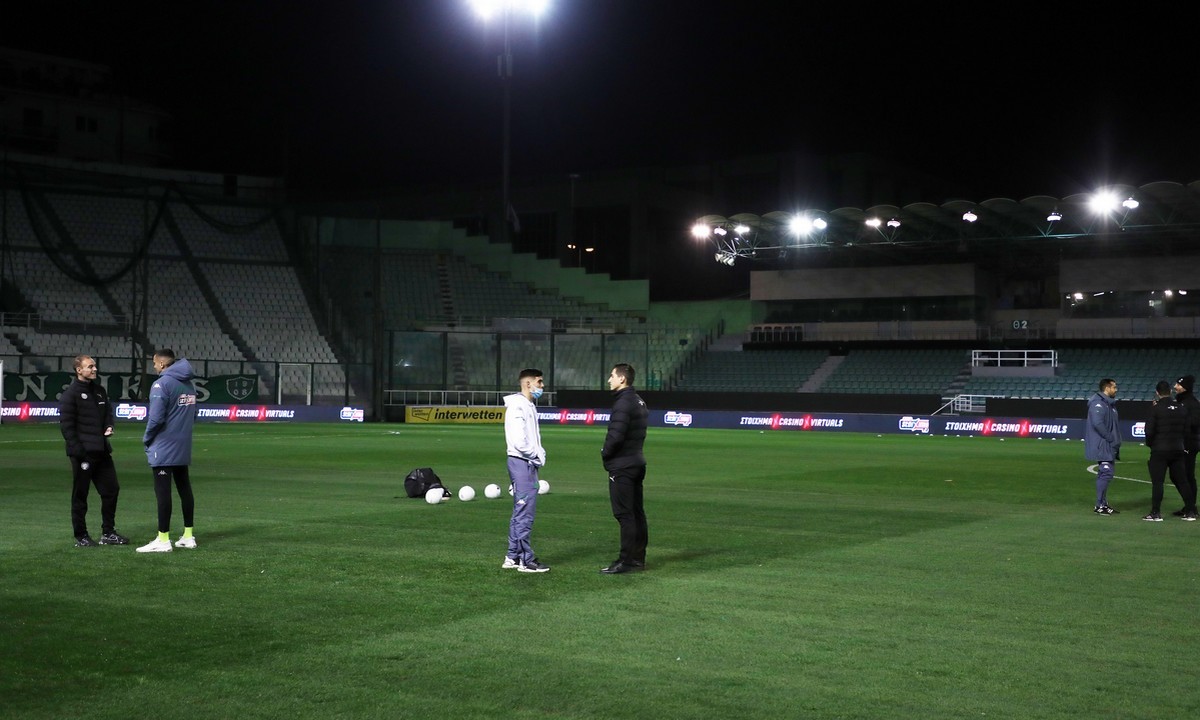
(1000, 101)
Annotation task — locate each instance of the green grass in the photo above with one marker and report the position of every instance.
(791, 575)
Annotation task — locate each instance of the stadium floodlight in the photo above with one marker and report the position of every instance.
(1130, 203)
(720, 231)
(801, 226)
(1103, 203)
(874, 222)
(742, 229)
(1078, 296)
(700, 231)
(820, 224)
(1054, 216)
(970, 217)
(893, 223)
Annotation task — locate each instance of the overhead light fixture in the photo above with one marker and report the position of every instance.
(720, 231)
(874, 222)
(700, 231)
(893, 223)
(970, 216)
(801, 226)
(1054, 216)
(1078, 296)
(820, 224)
(742, 229)
(1130, 203)
(1103, 202)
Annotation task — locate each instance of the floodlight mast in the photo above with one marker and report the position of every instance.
(486, 10)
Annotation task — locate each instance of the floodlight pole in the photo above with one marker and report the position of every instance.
(504, 67)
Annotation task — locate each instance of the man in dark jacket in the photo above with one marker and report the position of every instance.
(1164, 436)
(1102, 440)
(86, 421)
(168, 441)
(626, 466)
(1185, 393)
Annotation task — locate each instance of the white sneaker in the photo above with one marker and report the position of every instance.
(510, 564)
(156, 545)
(186, 542)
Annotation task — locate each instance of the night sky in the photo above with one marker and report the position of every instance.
(368, 94)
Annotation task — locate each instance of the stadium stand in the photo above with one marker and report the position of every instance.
(751, 370)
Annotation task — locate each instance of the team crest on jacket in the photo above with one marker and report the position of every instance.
(239, 388)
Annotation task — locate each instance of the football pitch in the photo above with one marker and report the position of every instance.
(790, 575)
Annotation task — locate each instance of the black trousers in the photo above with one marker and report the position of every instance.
(162, 492)
(1159, 464)
(1190, 466)
(625, 494)
(101, 472)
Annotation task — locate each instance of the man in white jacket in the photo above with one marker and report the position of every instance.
(525, 456)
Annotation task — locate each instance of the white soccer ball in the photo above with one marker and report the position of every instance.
(543, 487)
(435, 495)
(466, 492)
(492, 491)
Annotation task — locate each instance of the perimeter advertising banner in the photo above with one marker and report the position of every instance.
(986, 426)
(453, 414)
(46, 387)
(1058, 428)
(136, 412)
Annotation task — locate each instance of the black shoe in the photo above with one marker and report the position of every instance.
(1104, 510)
(639, 564)
(85, 541)
(1180, 512)
(617, 568)
(112, 538)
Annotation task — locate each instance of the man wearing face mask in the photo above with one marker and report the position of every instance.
(525, 456)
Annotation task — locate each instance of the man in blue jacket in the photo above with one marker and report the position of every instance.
(168, 442)
(1102, 440)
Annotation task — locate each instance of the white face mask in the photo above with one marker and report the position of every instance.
(535, 392)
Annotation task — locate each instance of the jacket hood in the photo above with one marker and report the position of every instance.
(514, 399)
(180, 370)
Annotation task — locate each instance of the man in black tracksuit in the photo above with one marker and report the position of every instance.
(626, 466)
(86, 421)
(1184, 393)
(1164, 435)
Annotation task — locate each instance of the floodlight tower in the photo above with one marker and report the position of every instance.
(488, 10)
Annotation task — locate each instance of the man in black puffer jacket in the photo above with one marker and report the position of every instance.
(1165, 432)
(1184, 393)
(86, 421)
(626, 466)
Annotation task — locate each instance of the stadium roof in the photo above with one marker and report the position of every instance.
(1163, 215)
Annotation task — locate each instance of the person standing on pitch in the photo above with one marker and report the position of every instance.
(1102, 440)
(525, 456)
(1184, 393)
(1164, 436)
(168, 441)
(626, 466)
(85, 418)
